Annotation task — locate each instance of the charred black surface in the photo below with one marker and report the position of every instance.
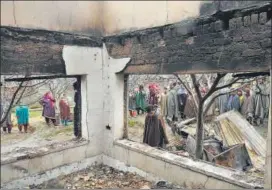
(227, 41)
(61, 38)
(28, 57)
(250, 75)
(37, 51)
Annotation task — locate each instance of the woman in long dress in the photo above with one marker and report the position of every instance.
(64, 110)
(49, 113)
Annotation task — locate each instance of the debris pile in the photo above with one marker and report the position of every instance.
(230, 141)
(102, 177)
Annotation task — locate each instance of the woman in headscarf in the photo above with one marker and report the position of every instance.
(64, 110)
(48, 103)
(153, 98)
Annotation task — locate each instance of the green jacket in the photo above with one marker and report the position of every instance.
(140, 100)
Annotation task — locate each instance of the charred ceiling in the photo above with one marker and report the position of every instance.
(226, 41)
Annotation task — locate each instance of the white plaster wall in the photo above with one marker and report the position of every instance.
(121, 16)
(114, 98)
(102, 92)
(87, 62)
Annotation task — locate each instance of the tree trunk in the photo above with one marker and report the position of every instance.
(199, 132)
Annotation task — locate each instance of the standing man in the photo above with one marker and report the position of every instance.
(233, 102)
(241, 97)
(77, 112)
(22, 114)
(163, 102)
(182, 98)
(154, 134)
(172, 103)
(247, 108)
(140, 100)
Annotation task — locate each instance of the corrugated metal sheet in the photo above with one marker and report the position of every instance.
(234, 130)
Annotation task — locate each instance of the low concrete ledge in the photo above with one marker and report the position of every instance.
(155, 159)
(29, 153)
(44, 176)
(18, 166)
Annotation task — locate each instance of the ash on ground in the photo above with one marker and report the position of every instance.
(103, 177)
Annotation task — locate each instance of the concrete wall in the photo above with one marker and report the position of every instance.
(103, 105)
(73, 16)
(108, 17)
(121, 16)
(91, 17)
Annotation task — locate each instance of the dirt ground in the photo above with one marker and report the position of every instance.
(136, 130)
(39, 134)
(102, 177)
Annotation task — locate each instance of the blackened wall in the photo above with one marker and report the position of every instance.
(228, 41)
(27, 51)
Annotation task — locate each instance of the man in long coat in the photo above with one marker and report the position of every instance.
(261, 100)
(247, 108)
(233, 102)
(163, 102)
(172, 103)
(154, 134)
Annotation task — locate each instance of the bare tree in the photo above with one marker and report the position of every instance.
(204, 102)
(15, 92)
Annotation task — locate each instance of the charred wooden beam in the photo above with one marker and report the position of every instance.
(20, 79)
(249, 75)
(28, 57)
(37, 51)
(61, 38)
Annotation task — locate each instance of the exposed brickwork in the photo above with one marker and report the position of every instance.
(37, 51)
(61, 38)
(237, 40)
(31, 58)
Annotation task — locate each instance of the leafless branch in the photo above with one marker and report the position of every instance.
(11, 103)
(196, 87)
(185, 86)
(213, 87)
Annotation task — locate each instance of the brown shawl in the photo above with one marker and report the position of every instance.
(154, 134)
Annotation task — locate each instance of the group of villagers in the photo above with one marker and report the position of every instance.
(174, 103)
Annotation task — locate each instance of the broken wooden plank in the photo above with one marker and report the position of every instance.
(185, 122)
(253, 138)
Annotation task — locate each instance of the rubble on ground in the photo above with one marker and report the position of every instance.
(103, 177)
(229, 141)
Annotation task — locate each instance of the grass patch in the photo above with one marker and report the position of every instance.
(52, 133)
(35, 113)
(35, 106)
(132, 123)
